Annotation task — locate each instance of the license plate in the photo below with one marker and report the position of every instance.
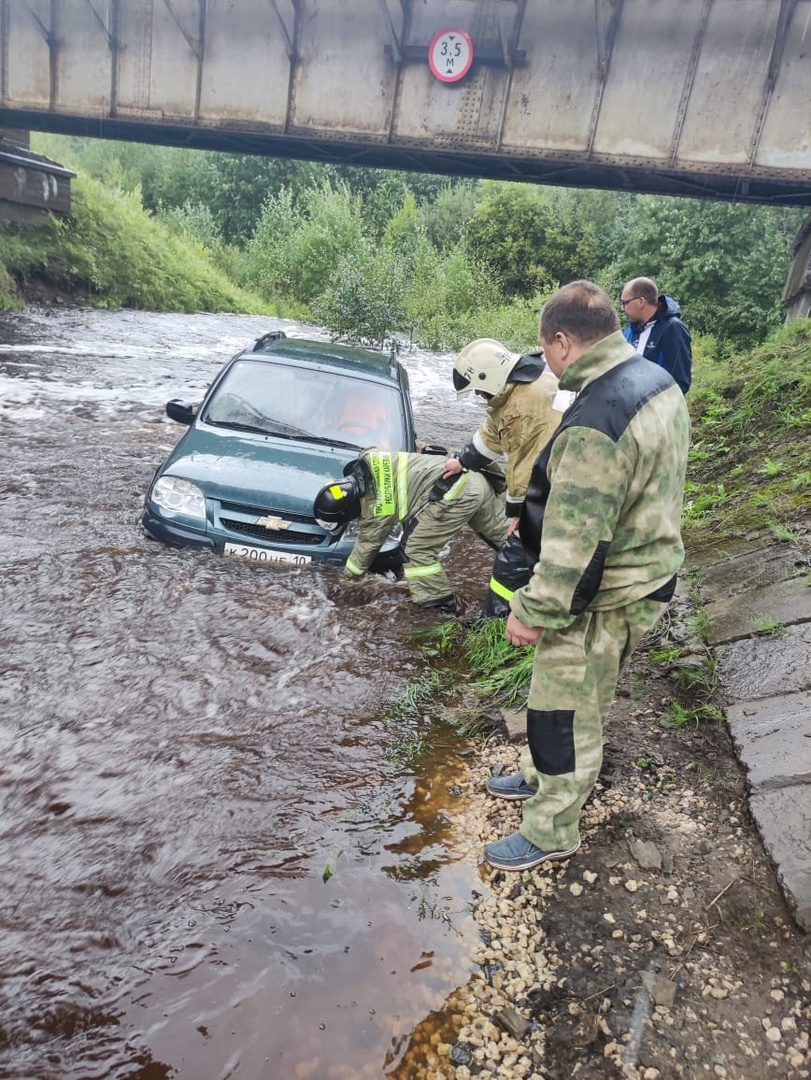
(264, 555)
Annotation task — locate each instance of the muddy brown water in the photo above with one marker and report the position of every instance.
(187, 742)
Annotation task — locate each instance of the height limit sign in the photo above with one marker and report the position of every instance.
(450, 55)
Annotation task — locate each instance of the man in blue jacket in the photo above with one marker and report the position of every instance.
(655, 329)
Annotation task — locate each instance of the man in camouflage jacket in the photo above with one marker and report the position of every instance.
(524, 407)
(601, 522)
(402, 490)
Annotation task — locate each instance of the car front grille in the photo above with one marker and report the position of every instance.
(259, 511)
(281, 536)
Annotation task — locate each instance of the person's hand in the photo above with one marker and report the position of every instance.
(453, 466)
(513, 525)
(517, 634)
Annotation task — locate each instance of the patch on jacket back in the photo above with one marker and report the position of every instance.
(610, 403)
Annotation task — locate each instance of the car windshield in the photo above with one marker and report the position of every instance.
(304, 403)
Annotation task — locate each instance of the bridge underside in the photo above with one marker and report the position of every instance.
(554, 168)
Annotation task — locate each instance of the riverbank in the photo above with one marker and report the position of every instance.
(665, 948)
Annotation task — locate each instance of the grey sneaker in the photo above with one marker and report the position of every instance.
(510, 787)
(517, 853)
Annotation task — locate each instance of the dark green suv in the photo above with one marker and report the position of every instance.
(280, 420)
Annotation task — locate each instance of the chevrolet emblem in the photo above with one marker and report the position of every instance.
(273, 523)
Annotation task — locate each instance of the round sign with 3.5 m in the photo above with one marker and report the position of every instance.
(450, 55)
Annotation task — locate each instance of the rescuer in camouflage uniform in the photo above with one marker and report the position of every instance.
(524, 407)
(601, 521)
(383, 489)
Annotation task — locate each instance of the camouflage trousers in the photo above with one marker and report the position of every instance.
(574, 678)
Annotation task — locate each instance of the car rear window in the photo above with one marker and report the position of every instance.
(297, 402)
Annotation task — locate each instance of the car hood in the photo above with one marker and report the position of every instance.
(256, 470)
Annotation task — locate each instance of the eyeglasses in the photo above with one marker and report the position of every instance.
(624, 303)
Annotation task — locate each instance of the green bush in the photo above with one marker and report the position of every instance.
(364, 302)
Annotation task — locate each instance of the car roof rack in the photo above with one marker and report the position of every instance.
(266, 339)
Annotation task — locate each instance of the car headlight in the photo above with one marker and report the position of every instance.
(394, 538)
(179, 497)
(352, 530)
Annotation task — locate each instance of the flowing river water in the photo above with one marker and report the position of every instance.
(187, 743)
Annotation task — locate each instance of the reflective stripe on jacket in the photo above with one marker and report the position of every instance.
(405, 482)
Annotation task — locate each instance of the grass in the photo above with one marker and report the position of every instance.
(751, 445)
(782, 533)
(474, 723)
(501, 670)
(665, 656)
(404, 751)
(768, 627)
(681, 716)
(416, 696)
(694, 670)
(698, 681)
(408, 709)
(111, 253)
(701, 624)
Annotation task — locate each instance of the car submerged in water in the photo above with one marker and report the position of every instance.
(280, 420)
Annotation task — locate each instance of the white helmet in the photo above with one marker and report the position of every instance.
(483, 364)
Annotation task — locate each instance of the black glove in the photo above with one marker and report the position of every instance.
(386, 561)
(442, 486)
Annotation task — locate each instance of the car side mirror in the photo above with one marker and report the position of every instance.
(179, 411)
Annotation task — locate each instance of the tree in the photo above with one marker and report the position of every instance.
(364, 301)
(533, 237)
(724, 263)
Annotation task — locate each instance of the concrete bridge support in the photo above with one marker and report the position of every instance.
(797, 293)
(31, 185)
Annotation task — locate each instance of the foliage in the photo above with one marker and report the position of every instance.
(515, 230)
(232, 186)
(296, 248)
(196, 221)
(469, 258)
(750, 440)
(447, 290)
(112, 253)
(725, 264)
(364, 302)
(445, 219)
(9, 297)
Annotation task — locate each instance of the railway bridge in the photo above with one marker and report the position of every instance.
(704, 98)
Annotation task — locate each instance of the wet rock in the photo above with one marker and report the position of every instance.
(515, 720)
(646, 853)
(661, 989)
(461, 1054)
(512, 1022)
